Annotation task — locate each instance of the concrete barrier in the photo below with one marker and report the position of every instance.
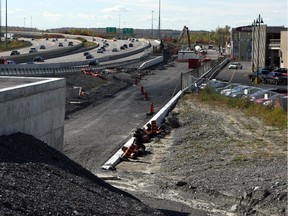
(158, 117)
(39, 69)
(151, 62)
(34, 106)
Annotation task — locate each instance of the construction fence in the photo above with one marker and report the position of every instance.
(206, 70)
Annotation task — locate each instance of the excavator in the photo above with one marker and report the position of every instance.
(185, 30)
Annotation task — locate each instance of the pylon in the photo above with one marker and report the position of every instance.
(151, 110)
(128, 152)
(153, 127)
(142, 89)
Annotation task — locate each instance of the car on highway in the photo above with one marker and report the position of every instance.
(99, 50)
(11, 62)
(42, 47)
(38, 59)
(15, 52)
(235, 65)
(86, 53)
(130, 44)
(262, 72)
(70, 43)
(60, 44)
(33, 50)
(89, 56)
(125, 45)
(122, 47)
(93, 62)
(114, 49)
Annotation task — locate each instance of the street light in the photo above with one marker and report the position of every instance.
(152, 25)
(159, 22)
(257, 23)
(6, 44)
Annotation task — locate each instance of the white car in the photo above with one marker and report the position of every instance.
(235, 65)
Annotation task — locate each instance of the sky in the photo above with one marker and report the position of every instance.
(142, 14)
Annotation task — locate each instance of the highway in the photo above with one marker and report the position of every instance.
(112, 44)
(49, 44)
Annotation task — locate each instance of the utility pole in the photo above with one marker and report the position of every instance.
(159, 22)
(0, 21)
(6, 27)
(152, 25)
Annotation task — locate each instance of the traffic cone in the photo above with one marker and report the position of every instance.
(151, 110)
(126, 155)
(153, 127)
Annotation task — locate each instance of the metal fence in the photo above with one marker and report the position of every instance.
(207, 70)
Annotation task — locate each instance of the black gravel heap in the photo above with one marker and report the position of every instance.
(39, 180)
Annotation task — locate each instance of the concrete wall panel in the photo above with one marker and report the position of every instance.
(33, 106)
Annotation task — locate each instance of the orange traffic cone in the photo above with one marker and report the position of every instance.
(128, 152)
(153, 127)
(151, 112)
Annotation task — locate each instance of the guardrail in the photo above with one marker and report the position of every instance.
(66, 67)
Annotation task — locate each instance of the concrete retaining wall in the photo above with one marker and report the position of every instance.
(34, 106)
(151, 62)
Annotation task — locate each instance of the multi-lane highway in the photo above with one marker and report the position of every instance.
(49, 44)
(112, 48)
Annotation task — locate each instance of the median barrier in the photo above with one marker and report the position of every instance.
(44, 68)
(151, 62)
(158, 118)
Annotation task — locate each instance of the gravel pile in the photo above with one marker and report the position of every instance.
(231, 161)
(38, 180)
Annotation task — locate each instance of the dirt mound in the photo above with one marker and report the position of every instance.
(38, 180)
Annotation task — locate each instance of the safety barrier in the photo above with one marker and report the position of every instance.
(151, 62)
(39, 69)
(157, 119)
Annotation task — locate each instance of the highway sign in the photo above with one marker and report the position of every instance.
(110, 29)
(127, 30)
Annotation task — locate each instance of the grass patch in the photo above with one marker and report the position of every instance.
(271, 116)
(13, 45)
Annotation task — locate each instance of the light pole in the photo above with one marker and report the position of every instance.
(152, 25)
(253, 46)
(159, 22)
(259, 20)
(0, 21)
(6, 27)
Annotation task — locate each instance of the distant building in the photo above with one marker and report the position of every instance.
(263, 46)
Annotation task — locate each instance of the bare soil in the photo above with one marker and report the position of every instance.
(219, 160)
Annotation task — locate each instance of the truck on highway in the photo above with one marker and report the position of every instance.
(9, 36)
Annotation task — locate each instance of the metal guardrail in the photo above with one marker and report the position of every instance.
(68, 67)
(208, 70)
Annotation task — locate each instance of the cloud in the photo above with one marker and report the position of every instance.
(52, 16)
(117, 8)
